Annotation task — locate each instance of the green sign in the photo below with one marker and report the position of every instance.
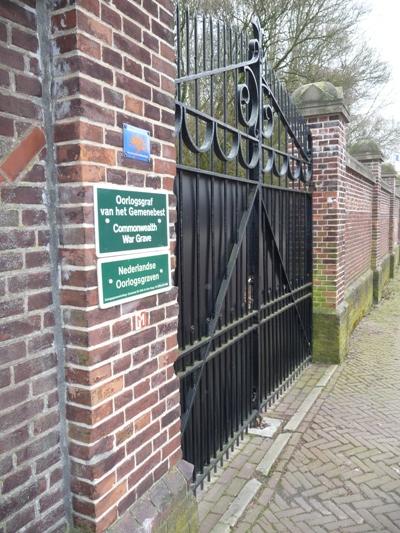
(123, 280)
(129, 219)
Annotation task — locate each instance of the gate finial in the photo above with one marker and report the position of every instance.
(257, 30)
(255, 45)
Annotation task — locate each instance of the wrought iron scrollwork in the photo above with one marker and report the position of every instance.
(182, 126)
(259, 127)
(247, 97)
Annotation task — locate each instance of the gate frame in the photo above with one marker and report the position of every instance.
(256, 209)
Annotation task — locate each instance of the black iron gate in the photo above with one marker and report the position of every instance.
(243, 235)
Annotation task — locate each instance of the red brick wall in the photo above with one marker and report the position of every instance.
(31, 486)
(384, 222)
(328, 210)
(360, 226)
(358, 233)
(114, 63)
(352, 213)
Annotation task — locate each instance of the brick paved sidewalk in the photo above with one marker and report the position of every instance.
(340, 470)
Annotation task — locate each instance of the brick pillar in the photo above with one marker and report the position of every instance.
(114, 63)
(396, 227)
(370, 155)
(390, 179)
(323, 106)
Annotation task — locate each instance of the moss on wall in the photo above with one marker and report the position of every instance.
(169, 506)
(330, 339)
(394, 261)
(359, 298)
(181, 518)
(381, 277)
(332, 329)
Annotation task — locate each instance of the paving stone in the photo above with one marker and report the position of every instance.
(253, 511)
(235, 486)
(247, 471)
(273, 453)
(327, 376)
(222, 504)
(301, 412)
(249, 449)
(209, 523)
(240, 503)
(257, 529)
(204, 508)
(215, 492)
(228, 475)
(221, 528)
(244, 527)
(340, 470)
(239, 461)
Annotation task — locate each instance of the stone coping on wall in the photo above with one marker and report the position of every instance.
(386, 187)
(356, 166)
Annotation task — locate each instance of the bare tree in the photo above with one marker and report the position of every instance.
(386, 133)
(314, 40)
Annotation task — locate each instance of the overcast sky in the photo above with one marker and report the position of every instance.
(382, 28)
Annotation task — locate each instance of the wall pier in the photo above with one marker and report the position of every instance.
(355, 218)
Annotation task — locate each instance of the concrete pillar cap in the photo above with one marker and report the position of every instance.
(388, 171)
(320, 98)
(366, 150)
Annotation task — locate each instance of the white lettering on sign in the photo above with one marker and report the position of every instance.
(135, 282)
(117, 228)
(132, 269)
(129, 219)
(142, 320)
(107, 211)
(137, 202)
(146, 212)
(143, 238)
(128, 239)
